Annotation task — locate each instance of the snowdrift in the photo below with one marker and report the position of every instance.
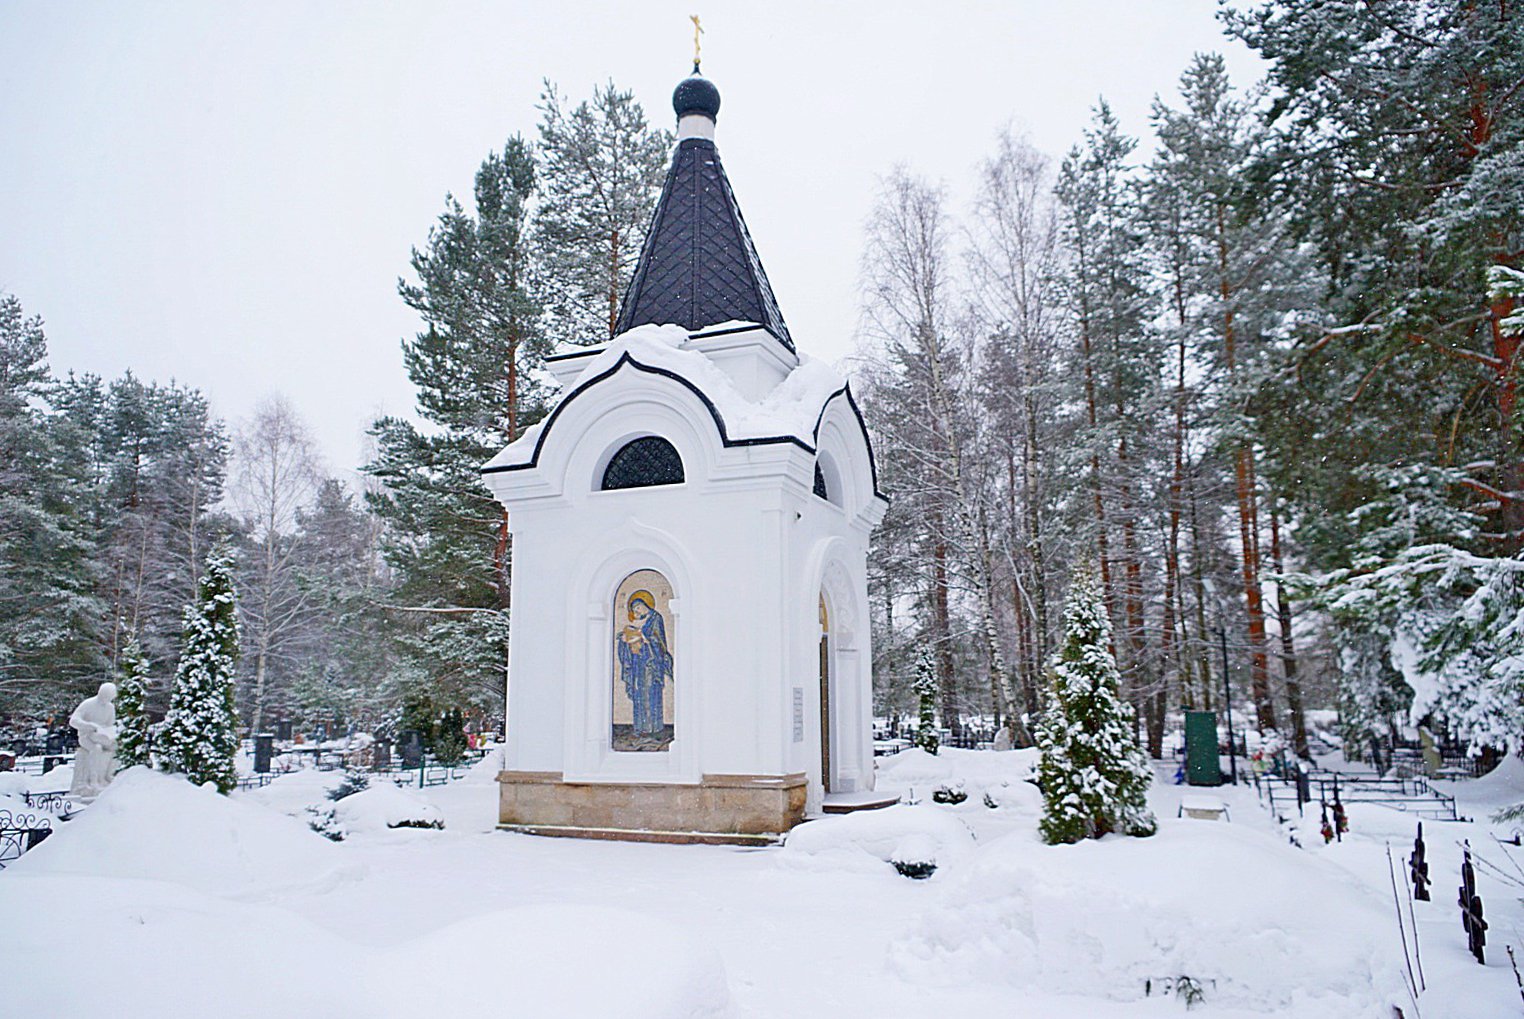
(160, 827)
(1255, 922)
(574, 960)
(915, 772)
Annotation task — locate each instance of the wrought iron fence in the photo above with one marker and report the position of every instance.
(20, 832)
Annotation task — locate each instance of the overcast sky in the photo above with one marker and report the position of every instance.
(225, 193)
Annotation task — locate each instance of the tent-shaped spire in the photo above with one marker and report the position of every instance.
(698, 267)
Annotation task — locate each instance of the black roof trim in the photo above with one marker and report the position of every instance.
(729, 331)
(589, 352)
(714, 412)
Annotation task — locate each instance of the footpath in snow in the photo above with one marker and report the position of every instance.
(169, 900)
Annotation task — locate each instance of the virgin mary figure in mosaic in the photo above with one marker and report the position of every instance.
(645, 666)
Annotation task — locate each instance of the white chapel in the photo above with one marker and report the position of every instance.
(689, 656)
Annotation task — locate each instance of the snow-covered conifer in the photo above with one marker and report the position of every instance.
(200, 732)
(926, 689)
(1093, 773)
(132, 724)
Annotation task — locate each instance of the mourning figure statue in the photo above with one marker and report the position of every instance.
(95, 762)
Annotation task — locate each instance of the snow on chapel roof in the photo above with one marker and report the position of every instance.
(698, 266)
(791, 411)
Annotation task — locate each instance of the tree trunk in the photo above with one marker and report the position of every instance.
(1203, 647)
(1288, 648)
(1248, 511)
(941, 625)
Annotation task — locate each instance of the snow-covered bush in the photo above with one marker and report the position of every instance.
(354, 781)
(323, 821)
(1094, 775)
(949, 794)
(916, 857)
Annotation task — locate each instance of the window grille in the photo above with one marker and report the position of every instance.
(820, 485)
(642, 463)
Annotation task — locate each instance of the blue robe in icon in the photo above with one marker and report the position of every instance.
(645, 672)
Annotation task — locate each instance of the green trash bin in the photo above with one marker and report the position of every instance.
(1202, 766)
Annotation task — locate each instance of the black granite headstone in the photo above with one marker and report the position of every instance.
(411, 748)
(264, 750)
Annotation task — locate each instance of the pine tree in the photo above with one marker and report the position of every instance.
(1093, 774)
(199, 737)
(926, 686)
(132, 720)
(473, 367)
(1397, 139)
(602, 167)
(1118, 361)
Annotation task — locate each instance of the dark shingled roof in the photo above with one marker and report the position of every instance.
(699, 267)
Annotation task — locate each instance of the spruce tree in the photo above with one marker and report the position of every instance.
(926, 736)
(132, 723)
(450, 737)
(1093, 773)
(47, 605)
(200, 734)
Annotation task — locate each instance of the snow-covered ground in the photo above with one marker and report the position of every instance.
(163, 899)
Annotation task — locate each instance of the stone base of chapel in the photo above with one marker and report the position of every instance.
(739, 809)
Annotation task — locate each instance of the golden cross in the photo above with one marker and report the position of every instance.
(697, 31)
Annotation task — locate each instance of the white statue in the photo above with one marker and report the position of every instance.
(95, 763)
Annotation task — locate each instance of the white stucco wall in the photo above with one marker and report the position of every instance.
(747, 548)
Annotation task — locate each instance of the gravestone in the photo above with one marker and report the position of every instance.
(411, 749)
(264, 750)
(381, 753)
(283, 730)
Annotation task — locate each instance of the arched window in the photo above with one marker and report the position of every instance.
(643, 462)
(820, 483)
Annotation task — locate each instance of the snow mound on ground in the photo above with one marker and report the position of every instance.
(385, 806)
(915, 771)
(485, 771)
(295, 791)
(14, 783)
(160, 827)
(1258, 923)
(573, 960)
(59, 780)
(1501, 787)
(922, 833)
